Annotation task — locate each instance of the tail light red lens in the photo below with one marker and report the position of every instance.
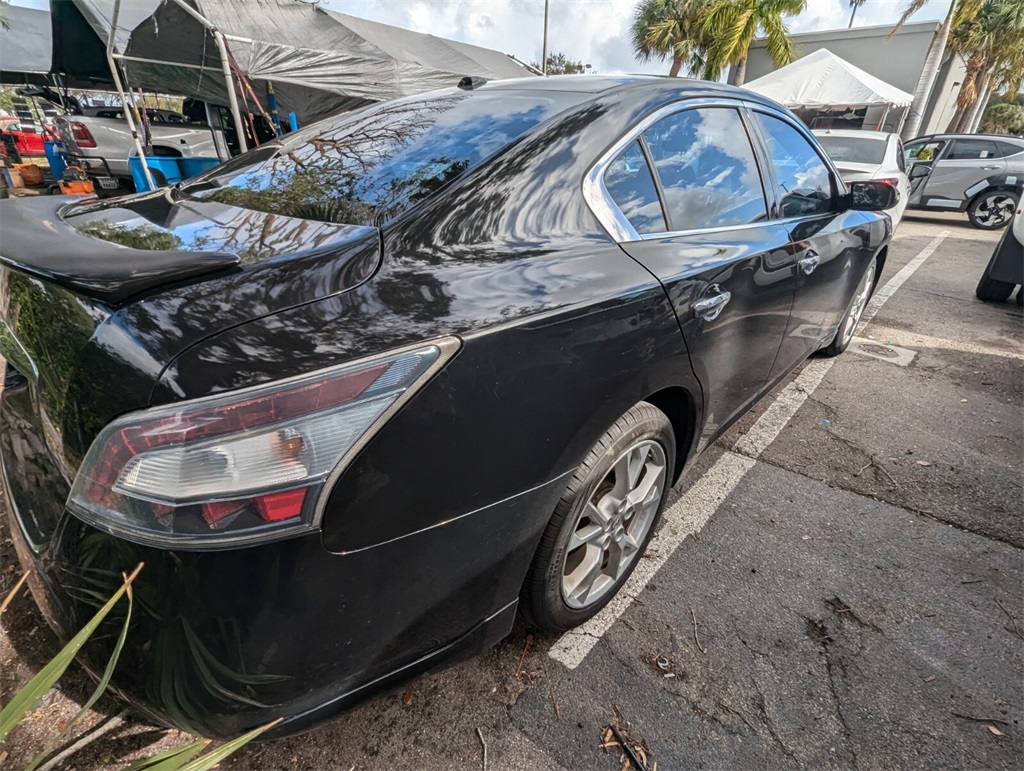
(890, 181)
(244, 466)
(83, 137)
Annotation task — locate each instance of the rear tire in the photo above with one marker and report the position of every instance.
(991, 290)
(852, 317)
(993, 209)
(602, 523)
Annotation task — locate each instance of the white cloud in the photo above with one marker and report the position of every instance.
(593, 31)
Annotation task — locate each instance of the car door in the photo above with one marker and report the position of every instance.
(827, 241)
(967, 163)
(690, 188)
(921, 156)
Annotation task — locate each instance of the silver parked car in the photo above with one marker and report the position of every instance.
(981, 174)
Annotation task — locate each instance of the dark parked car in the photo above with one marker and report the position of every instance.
(1005, 269)
(357, 397)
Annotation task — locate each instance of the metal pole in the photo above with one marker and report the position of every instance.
(229, 81)
(124, 100)
(544, 50)
(218, 38)
(881, 121)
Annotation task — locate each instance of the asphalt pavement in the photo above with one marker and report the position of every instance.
(844, 590)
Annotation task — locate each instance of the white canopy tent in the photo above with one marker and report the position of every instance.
(823, 81)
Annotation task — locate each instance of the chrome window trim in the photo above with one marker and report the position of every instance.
(600, 201)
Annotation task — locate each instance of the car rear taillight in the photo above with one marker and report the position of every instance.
(245, 466)
(890, 181)
(83, 137)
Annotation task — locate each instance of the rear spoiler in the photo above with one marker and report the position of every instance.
(35, 239)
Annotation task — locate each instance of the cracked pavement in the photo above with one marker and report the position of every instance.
(855, 602)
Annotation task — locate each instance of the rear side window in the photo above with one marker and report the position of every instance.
(630, 184)
(1008, 149)
(804, 180)
(972, 150)
(369, 168)
(901, 158)
(706, 166)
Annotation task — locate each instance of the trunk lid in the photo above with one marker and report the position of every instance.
(852, 171)
(97, 299)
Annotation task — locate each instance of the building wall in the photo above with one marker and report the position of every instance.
(897, 60)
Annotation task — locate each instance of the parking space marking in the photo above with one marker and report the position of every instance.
(693, 510)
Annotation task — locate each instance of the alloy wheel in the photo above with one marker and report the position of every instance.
(613, 524)
(995, 210)
(860, 302)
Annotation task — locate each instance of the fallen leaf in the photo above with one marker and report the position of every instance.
(407, 697)
(996, 731)
(929, 679)
(61, 725)
(923, 462)
(806, 538)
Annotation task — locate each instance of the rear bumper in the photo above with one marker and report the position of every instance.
(221, 642)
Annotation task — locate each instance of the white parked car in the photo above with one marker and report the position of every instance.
(874, 155)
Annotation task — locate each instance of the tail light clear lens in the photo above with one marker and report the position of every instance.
(83, 137)
(248, 465)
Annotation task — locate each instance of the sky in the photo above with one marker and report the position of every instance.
(595, 32)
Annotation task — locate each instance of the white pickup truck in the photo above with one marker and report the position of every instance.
(100, 136)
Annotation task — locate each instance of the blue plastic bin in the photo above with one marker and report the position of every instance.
(193, 167)
(168, 167)
(53, 155)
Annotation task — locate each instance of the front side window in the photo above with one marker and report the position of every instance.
(804, 180)
(707, 169)
(923, 152)
(630, 184)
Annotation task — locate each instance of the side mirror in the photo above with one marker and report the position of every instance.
(869, 195)
(919, 170)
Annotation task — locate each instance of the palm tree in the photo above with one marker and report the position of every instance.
(992, 45)
(664, 28)
(732, 25)
(959, 12)
(854, 4)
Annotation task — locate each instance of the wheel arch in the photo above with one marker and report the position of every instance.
(680, 407)
(997, 186)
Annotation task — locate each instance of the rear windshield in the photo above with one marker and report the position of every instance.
(853, 149)
(368, 168)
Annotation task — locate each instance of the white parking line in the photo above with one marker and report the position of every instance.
(691, 512)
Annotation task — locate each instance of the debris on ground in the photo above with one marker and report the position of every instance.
(634, 751)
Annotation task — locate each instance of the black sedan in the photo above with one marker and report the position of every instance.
(357, 397)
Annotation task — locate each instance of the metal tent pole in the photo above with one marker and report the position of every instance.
(225, 64)
(544, 51)
(124, 100)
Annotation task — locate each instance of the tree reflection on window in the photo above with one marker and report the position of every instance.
(369, 168)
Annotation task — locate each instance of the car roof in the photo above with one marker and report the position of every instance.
(595, 86)
(1003, 137)
(852, 133)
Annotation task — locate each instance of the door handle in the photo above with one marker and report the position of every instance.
(809, 263)
(710, 308)
(990, 168)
